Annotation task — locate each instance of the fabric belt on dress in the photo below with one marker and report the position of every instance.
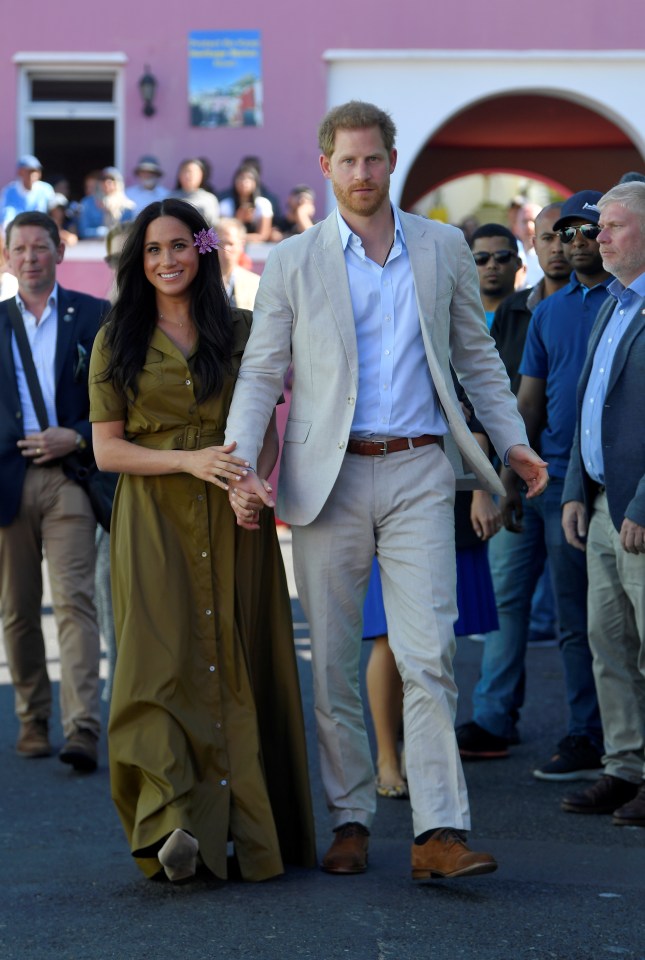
(379, 448)
(187, 438)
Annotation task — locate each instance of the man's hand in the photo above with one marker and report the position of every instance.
(247, 497)
(574, 524)
(52, 444)
(511, 506)
(531, 468)
(632, 536)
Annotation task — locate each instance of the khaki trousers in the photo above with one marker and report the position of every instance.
(55, 514)
(400, 506)
(616, 608)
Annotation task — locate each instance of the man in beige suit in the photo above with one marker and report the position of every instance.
(241, 284)
(373, 304)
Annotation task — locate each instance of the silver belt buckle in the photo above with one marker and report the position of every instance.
(383, 447)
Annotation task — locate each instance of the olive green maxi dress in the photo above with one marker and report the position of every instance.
(206, 730)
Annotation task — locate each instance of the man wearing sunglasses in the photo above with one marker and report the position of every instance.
(554, 354)
(495, 253)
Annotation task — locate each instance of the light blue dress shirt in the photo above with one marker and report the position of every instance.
(396, 396)
(628, 301)
(42, 338)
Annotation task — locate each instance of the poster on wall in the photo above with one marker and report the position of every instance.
(225, 78)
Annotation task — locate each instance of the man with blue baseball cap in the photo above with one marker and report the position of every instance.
(27, 192)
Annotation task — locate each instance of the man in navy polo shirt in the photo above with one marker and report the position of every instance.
(554, 354)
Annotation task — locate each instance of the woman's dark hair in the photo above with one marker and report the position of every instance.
(245, 168)
(132, 319)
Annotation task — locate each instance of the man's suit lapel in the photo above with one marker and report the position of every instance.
(422, 252)
(329, 258)
(66, 330)
(635, 328)
(7, 365)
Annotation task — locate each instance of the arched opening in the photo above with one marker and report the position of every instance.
(547, 138)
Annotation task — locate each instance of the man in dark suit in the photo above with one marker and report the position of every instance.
(604, 509)
(41, 506)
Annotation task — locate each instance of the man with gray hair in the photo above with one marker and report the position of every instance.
(604, 509)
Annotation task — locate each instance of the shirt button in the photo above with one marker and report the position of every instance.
(212, 668)
(385, 386)
(187, 383)
(602, 370)
(609, 340)
(208, 613)
(387, 353)
(387, 318)
(218, 725)
(200, 496)
(350, 401)
(587, 432)
(591, 400)
(383, 419)
(224, 783)
(204, 554)
(341, 445)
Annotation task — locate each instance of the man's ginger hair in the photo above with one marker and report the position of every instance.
(355, 115)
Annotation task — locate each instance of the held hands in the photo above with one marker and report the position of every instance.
(247, 497)
(216, 465)
(51, 444)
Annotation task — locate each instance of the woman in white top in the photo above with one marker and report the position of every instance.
(247, 206)
(190, 179)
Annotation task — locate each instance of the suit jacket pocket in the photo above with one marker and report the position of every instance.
(296, 431)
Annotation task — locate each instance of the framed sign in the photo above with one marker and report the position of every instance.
(225, 78)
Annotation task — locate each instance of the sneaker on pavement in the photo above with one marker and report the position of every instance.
(475, 743)
(33, 739)
(607, 795)
(576, 759)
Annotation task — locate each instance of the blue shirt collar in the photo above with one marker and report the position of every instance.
(346, 232)
(575, 284)
(637, 287)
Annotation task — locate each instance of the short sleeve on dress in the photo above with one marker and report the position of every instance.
(105, 404)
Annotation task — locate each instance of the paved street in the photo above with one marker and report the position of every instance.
(568, 887)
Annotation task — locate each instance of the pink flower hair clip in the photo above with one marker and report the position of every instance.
(206, 240)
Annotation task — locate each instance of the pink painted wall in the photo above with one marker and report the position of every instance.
(294, 38)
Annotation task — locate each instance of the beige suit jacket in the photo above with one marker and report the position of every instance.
(245, 287)
(303, 311)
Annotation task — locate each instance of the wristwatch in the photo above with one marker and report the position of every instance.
(80, 442)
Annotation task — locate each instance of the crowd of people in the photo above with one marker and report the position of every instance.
(107, 201)
(435, 477)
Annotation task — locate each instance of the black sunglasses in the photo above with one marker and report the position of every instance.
(588, 230)
(500, 256)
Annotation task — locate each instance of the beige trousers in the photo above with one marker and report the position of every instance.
(55, 515)
(402, 507)
(616, 614)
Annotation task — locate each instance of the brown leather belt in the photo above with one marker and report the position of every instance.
(379, 448)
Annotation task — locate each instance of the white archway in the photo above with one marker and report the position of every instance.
(422, 89)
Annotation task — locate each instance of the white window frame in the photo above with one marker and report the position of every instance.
(74, 66)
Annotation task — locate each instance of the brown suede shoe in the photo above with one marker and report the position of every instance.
(604, 796)
(348, 852)
(632, 814)
(445, 854)
(81, 750)
(33, 739)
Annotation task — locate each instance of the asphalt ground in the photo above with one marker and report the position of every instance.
(568, 887)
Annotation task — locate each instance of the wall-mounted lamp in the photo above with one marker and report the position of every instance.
(147, 89)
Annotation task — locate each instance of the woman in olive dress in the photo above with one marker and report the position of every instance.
(206, 733)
